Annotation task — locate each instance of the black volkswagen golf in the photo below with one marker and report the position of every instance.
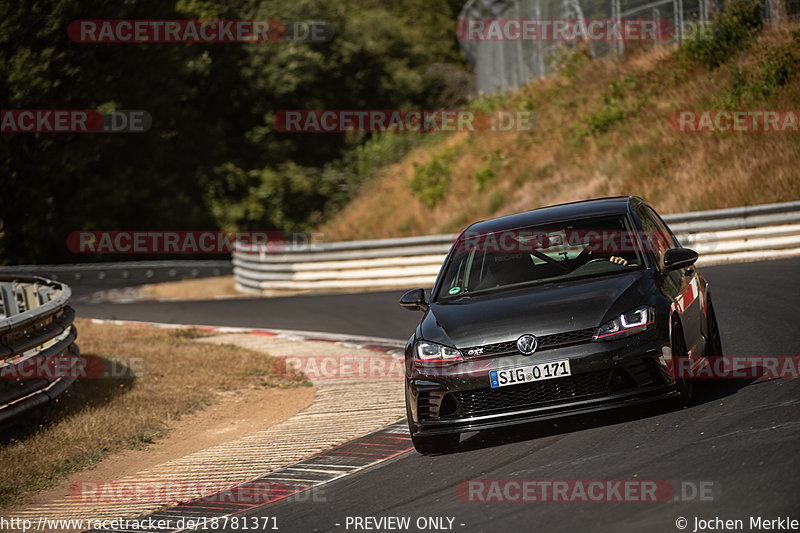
(558, 311)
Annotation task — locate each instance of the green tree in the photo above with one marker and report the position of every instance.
(212, 158)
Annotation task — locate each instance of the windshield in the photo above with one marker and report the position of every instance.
(488, 262)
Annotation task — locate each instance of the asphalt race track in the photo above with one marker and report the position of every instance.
(732, 455)
(376, 314)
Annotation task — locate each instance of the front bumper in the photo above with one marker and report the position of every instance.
(605, 375)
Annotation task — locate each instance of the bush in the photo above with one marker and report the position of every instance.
(432, 179)
(488, 171)
(613, 109)
(382, 150)
(568, 60)
(730, 32)
(776, 68)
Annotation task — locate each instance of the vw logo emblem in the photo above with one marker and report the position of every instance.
(527, 344)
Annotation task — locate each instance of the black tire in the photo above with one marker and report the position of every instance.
(714, 341)
(435, 443)
(684, 385)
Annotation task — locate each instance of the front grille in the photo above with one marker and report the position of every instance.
(580, 386)
(488, 350)
(569, 337)
(545, 342)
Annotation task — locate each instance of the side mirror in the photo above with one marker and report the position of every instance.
(677, 258)
(414, 300)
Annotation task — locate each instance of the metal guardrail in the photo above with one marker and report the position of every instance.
(720, 236)
(36, 330)
(126, 272)
(735, 218)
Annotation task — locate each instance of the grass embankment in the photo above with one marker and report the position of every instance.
(99, 417)
(601, 129)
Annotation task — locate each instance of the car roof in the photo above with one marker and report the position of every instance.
(614, 205)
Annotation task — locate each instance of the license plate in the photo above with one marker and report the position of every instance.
(526, 374)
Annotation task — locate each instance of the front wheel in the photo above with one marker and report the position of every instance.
(714, 342)
(684, 384)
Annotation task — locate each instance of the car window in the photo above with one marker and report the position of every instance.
(673, 241)
(655, 233)
(503, 260)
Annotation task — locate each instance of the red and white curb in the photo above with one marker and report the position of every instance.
(303, 481)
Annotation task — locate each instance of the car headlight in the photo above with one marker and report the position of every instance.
(630, 323)
(432, 353)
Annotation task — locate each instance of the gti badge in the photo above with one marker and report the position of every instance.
(527, 344)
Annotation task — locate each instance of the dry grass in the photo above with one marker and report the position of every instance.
(216, 287)
(638, 154)
(99, 417)
(194, 289)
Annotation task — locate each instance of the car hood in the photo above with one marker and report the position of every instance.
(540, 310)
